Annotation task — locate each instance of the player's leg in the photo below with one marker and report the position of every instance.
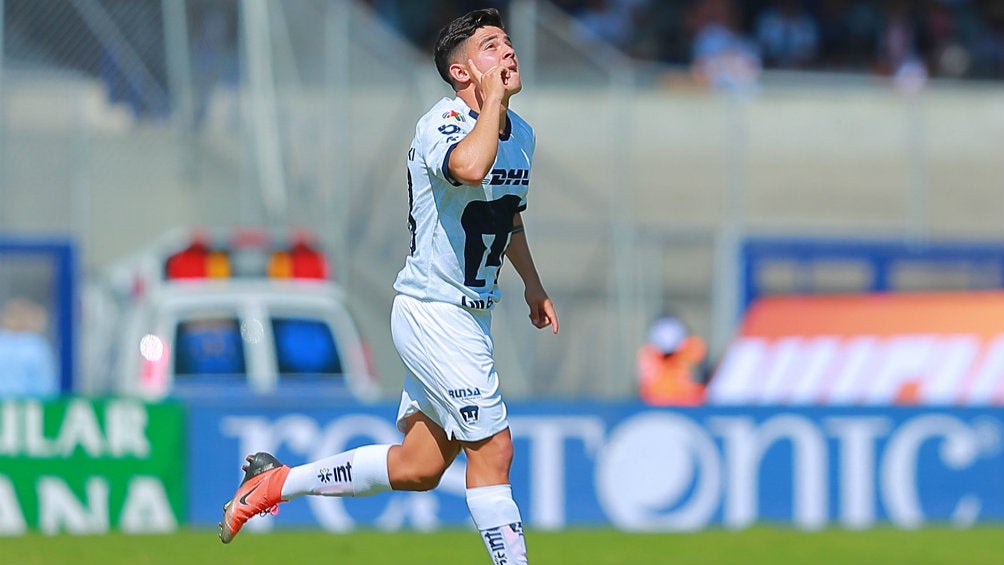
(448, 350)
(426, 452)
(489, 498)
(267, 482)
(357, 472)
(417, 463)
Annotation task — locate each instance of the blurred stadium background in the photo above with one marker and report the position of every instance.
(121, 120)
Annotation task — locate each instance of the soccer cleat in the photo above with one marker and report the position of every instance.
(258, 494)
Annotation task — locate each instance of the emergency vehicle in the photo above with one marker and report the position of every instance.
(226, 312)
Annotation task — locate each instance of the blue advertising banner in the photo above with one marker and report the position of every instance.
(643, 469)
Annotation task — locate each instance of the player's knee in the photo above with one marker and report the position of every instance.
(501, 456)
(493, 456)
(427, 482)
(416, 473)
(420, 478)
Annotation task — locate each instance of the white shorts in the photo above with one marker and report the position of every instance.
(451, 378)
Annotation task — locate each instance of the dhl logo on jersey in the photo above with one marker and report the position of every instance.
(509, 177)
(915, 348)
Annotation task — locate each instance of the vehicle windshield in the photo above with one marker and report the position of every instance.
(303, 348)
(210, 347)
(213, 353)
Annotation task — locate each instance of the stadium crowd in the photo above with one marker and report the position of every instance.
(950, 38)
(722, 41)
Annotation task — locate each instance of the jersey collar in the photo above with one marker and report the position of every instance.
(506, 131)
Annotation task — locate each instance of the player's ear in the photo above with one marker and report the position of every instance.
(459, 73)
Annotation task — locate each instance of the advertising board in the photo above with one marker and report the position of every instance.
(83, 466)
(642, 469)
(936, 348)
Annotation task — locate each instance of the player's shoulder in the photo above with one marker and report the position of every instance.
(446, 111)
(520, 126)
(518, 120)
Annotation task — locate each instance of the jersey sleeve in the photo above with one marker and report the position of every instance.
(438, 137)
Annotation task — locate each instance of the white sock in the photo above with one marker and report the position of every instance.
(496, 516)
(357, 472)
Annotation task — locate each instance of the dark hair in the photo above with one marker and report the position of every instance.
(458, 31)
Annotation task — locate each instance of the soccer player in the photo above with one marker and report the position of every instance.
(468, 176)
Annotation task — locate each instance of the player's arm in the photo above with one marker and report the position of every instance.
(542, 312)
(473, 157)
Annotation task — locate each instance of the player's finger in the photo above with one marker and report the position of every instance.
(475, 73)
(543, 315)
(551, 316)
(495, 70)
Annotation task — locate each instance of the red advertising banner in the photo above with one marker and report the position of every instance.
(905, 348)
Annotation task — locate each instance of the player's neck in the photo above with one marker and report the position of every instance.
(474, 102)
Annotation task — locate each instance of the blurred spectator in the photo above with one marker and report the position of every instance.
(27, 360)
(722, 56)
(952, 38)
(902, 41)
(946, 56)
(420, 22)
(847, 34)
(664, 32)
(836, 35)
(612, 21)
(788, 35)
(988, 49)
(669, 363)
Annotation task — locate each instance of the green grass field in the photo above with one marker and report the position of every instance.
(762, 545)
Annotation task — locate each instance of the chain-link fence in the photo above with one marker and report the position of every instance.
(93, 136)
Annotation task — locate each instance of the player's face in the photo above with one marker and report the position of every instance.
(490, 46)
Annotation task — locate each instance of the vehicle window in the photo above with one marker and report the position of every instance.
(305, 347)
(209, 347)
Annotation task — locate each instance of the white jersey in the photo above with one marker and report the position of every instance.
(459, 232)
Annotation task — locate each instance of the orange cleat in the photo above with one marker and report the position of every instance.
(258, 494)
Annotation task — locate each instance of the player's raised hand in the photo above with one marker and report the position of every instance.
(491, 83)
